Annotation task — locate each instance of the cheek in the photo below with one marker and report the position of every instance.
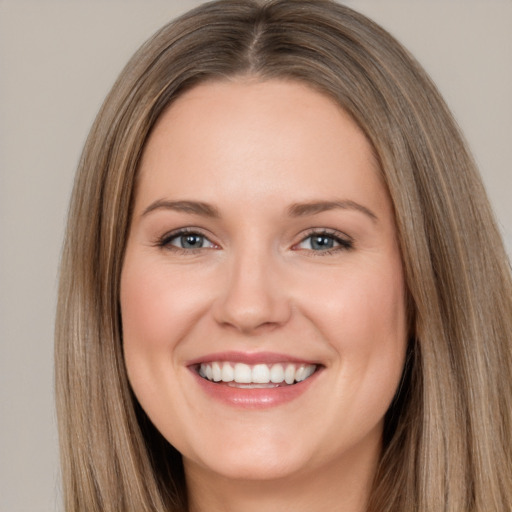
(364, 320)
(365, 305)
(144, 303)
(379, 351)
(157, 308)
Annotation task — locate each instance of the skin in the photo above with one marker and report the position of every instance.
(251, 150)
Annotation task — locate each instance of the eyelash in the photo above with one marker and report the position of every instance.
(164, 242)
(344, 242)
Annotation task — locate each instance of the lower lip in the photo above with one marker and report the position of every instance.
(255, 398)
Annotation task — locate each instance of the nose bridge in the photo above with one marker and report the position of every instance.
(252, 296)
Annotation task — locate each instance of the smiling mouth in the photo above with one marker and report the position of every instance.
(257, 376)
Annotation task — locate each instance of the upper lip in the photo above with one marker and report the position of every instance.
(250, 358)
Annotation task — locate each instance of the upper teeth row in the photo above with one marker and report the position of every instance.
(257, 374)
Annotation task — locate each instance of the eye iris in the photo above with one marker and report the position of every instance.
(320, 242)
(191, 241)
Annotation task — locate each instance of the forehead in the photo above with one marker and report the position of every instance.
(276, 135)
(260, 106)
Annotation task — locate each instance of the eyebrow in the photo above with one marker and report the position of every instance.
(313, 208)
(194, 207)
(295, 210)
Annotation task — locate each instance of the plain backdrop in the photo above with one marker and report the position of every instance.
(57, 61)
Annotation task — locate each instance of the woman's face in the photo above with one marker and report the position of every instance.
(262, 293)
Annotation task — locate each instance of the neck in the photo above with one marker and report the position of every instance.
(342, 487)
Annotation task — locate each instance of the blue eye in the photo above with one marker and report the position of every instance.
(189, 241)
(321, 242)
(324, 242)
(186, 240)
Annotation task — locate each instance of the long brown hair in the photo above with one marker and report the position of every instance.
(448, 434)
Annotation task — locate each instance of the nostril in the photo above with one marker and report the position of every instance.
(248, 327)
(252, 314)
(250, 298)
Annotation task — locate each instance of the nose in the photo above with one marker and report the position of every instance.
(253, 298)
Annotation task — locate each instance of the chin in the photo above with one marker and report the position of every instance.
(262, 469)
(252, 461)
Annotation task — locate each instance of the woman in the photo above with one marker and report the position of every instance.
(282, 284)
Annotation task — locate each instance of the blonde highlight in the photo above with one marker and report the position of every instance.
(448, 438)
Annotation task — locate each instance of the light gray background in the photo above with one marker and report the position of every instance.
(57, 62)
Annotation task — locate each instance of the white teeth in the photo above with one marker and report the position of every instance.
(228, 374)
(277, 373)
(289, 374)
(241, 373)
(216, 372)
(299, 374)
(303, 373)
(261, 374)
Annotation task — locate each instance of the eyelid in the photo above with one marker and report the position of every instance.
(345, 241)
(164, 240)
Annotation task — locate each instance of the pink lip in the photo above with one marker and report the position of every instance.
(256, 398)
(249, 358)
